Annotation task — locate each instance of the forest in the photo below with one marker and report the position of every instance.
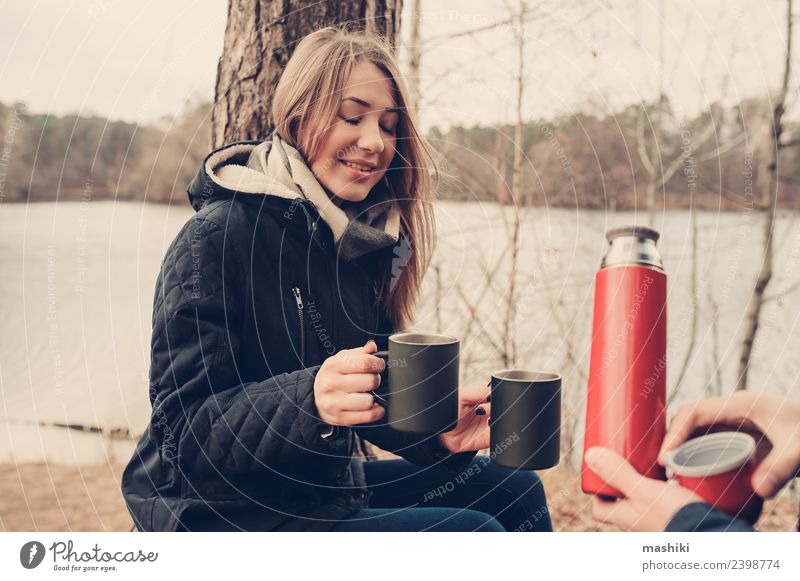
(76, 157)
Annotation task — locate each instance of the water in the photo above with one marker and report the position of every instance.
(77, 286)
(560, 251)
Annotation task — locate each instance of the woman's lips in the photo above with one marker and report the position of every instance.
(357, 174)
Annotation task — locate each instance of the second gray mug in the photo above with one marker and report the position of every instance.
(526, 419)
(422, 395)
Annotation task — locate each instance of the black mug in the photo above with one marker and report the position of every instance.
(525, 421)
(422, 392)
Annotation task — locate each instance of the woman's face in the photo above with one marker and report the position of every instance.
(361, 143)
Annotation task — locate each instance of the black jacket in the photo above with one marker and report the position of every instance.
(250, 300)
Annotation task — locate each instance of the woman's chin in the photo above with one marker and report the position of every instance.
(350, 194)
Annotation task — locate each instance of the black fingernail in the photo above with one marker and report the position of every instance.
(480, 412)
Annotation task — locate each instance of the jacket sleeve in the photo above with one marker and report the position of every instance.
(701, 517)
(422, 449)
(204, 417)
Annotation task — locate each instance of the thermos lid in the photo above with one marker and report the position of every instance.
(632, 245)
(637, 231)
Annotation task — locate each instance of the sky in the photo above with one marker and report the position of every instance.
(136, 61)
(140, 61)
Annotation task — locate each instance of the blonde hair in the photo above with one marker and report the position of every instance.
(308, 97)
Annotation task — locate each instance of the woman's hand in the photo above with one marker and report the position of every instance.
(648, 505)
(472, 431)
(778, 418)
(342, 386)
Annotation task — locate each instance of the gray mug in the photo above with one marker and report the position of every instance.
(525, 423)
(422, 392)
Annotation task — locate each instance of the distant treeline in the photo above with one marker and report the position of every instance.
(586, 160)
(49, 157)
(579, 160)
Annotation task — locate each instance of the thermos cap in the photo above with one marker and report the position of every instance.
(637, 231)
(632, 245)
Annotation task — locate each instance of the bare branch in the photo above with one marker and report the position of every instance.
(765, 273)
(641, 144)
(472, 31)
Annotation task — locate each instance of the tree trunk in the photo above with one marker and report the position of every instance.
(509, 329)
(414, 53)
(259, 39)
(770, 207)
(516, 177)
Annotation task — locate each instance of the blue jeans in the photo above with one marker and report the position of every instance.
(482, 497)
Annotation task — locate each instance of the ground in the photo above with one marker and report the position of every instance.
(50, 497)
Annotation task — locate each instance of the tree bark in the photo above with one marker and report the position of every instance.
(414, 53)
(770, 207)
(259, 39)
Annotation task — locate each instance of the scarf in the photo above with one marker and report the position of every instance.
(358, 227)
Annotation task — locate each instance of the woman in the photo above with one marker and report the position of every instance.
(269, 306)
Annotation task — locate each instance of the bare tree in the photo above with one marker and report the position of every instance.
(770, 180)
(259, 39)
(510, 351)
(714, 384)
(662, 163)
(414, 53)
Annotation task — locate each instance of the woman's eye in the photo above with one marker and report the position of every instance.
(356, 121)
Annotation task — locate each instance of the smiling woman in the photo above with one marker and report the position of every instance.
(342, 104)
(269, 308)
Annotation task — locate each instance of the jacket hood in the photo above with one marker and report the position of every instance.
(275, 169)
(224, 173)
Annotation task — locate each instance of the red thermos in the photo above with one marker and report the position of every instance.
(626, 405)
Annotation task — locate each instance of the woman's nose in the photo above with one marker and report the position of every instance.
(371, 140)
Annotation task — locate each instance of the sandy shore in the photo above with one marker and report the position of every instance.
(49, 497)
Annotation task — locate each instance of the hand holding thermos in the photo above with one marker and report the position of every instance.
(650, 504)
(626, 399)
(710, 449)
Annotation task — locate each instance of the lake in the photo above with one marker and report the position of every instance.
(77, 286)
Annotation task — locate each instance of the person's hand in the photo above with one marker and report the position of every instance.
(342, 386)
(472, 431)
(778, 418)
(648, 505)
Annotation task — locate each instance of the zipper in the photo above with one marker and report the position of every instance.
(311, 225)
(298, 298)
(371, 300)
(375, 308)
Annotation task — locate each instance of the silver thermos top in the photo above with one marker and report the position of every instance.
(632, 245)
